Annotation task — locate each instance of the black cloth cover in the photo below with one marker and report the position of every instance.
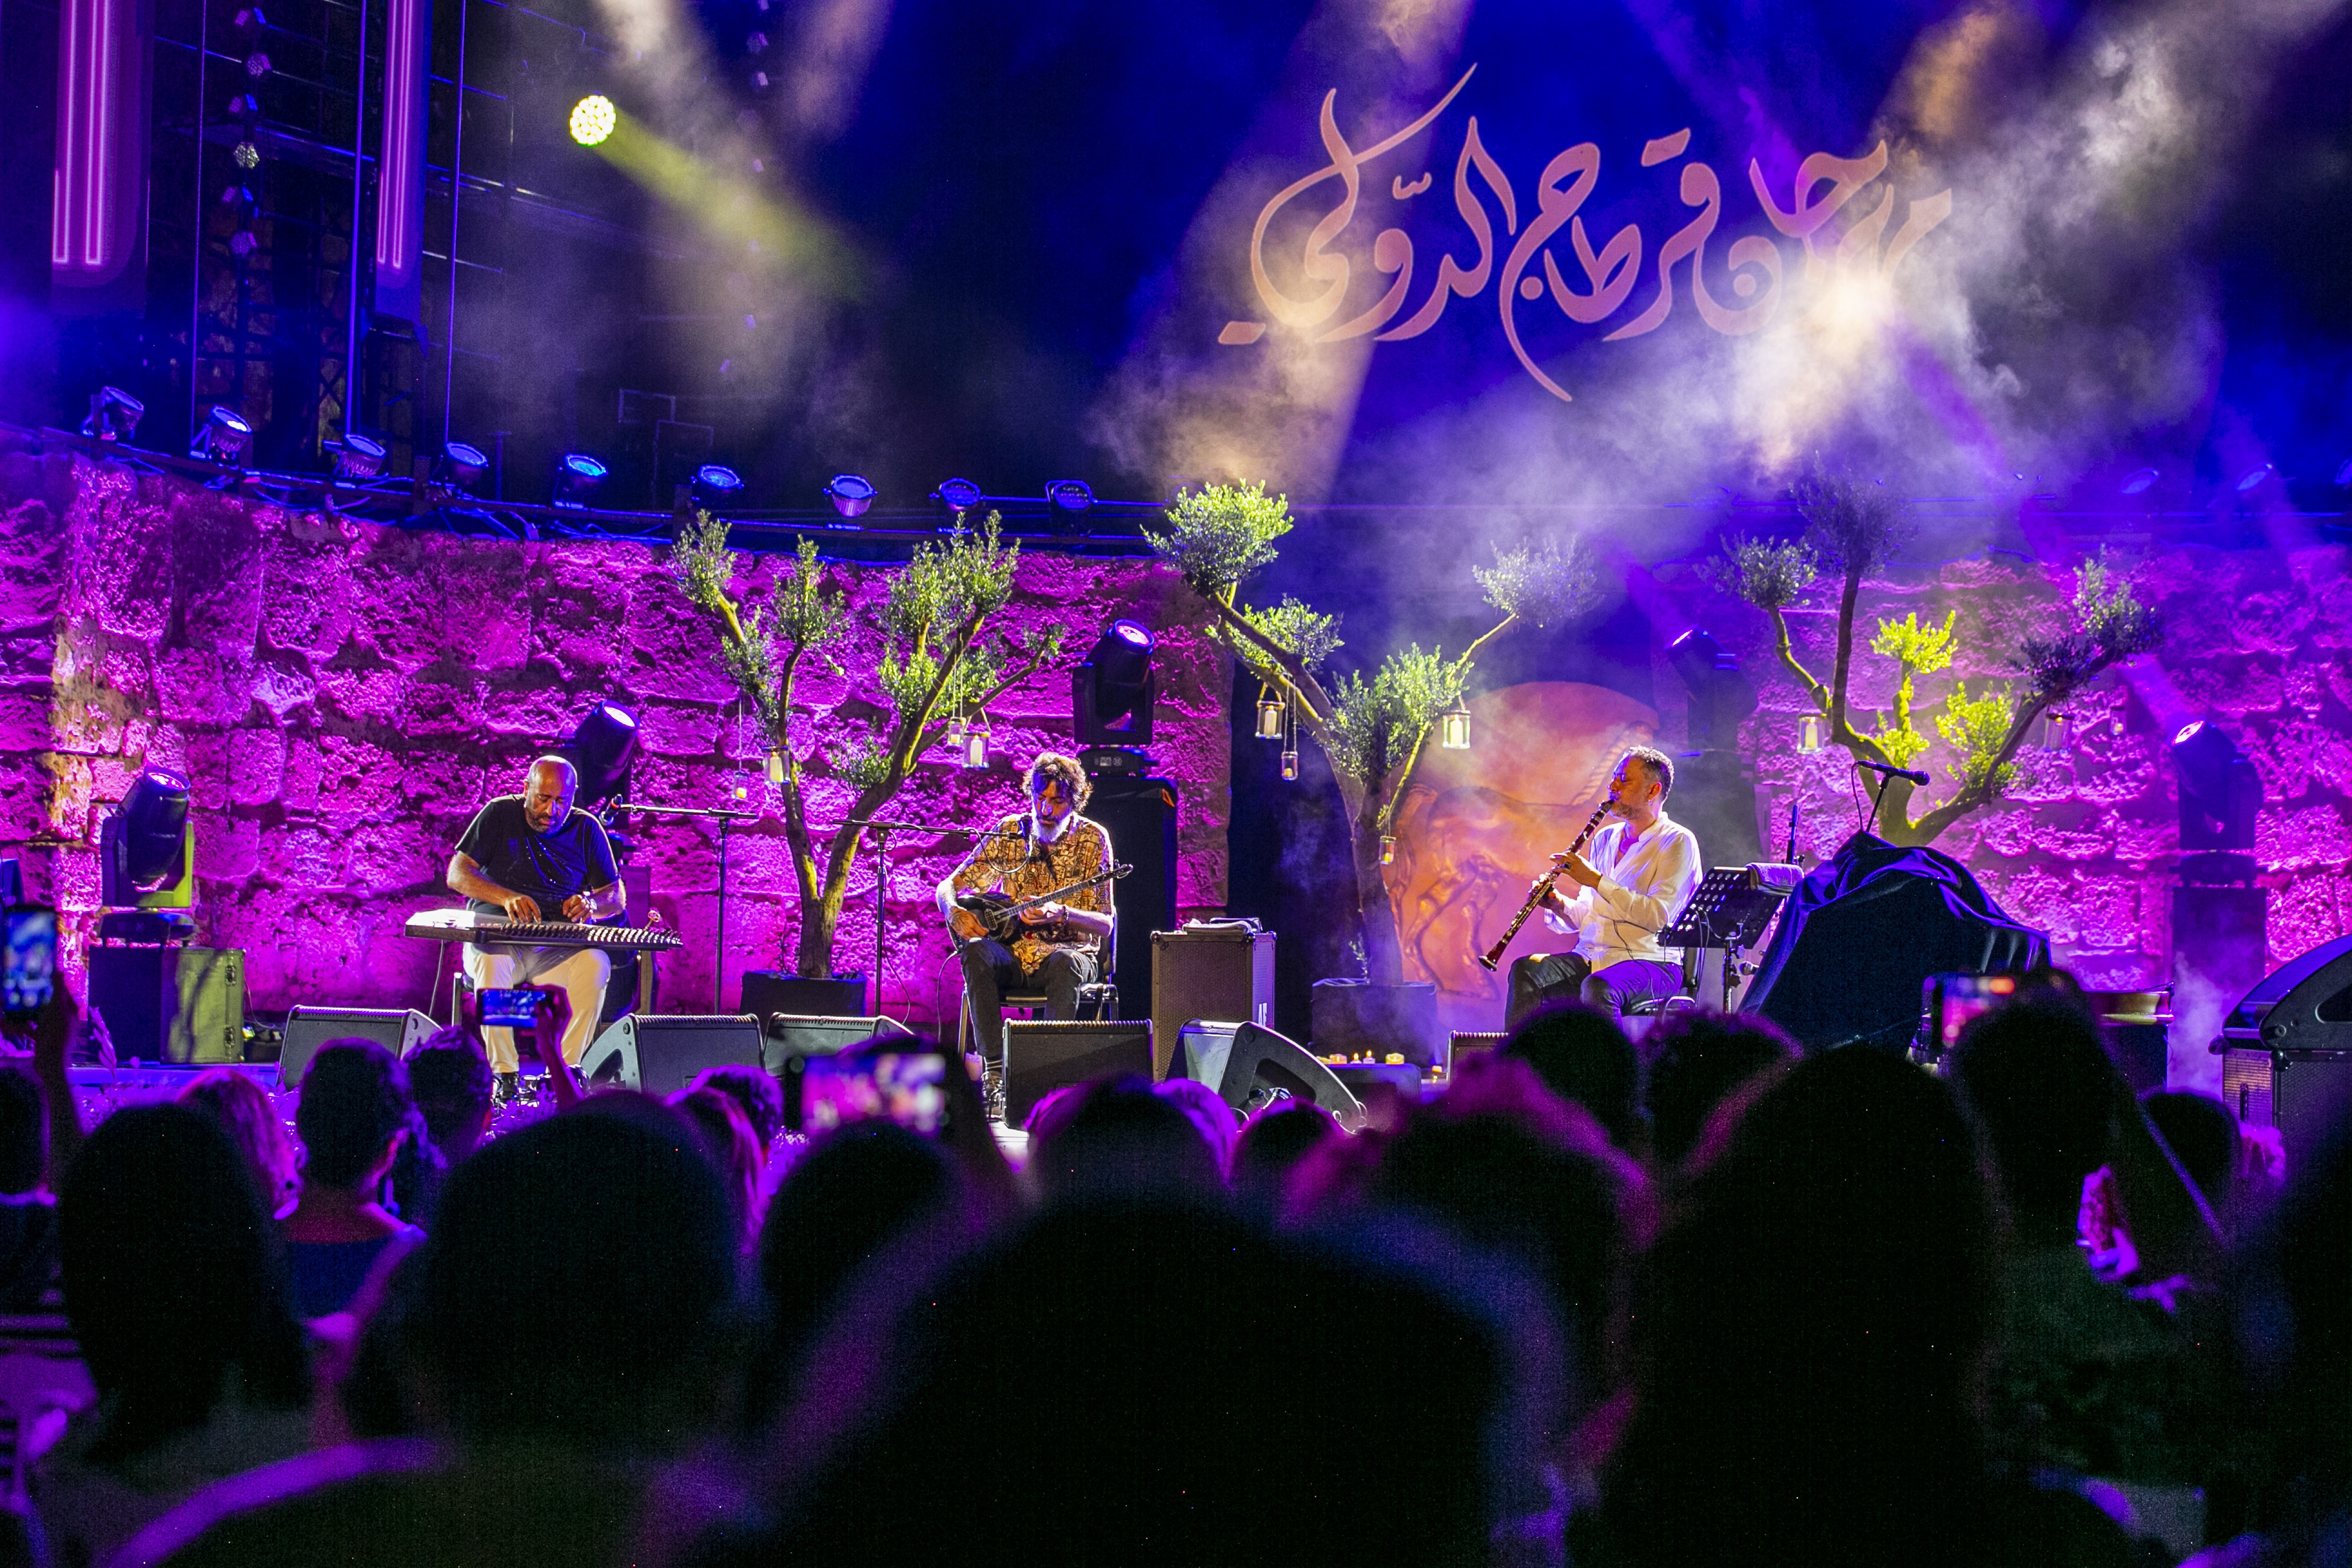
(1859, 937)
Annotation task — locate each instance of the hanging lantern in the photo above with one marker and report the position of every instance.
(1271, 713)
(975, 742)
(1388, 850)
(1290, 765)
(775, 768)
(1809, 733)
(1454, 728)
(2055, 732)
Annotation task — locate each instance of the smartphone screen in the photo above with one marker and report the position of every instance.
(31, 971)
(516, 1009)
(907, 1087)
(1954, 999)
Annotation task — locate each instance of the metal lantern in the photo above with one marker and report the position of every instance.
(975, 743)
(1270, 715)
(1388, 850)
(1809, 733)
(1454, 728)
(2056, 732)
(775, 768)
(1290, 765)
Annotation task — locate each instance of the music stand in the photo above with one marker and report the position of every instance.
(1729, 911)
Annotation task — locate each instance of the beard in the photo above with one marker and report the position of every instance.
(1053, 833)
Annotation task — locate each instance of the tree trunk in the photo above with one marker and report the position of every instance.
(1384, 948)
(820, 917)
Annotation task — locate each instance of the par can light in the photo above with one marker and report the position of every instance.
(593, 118)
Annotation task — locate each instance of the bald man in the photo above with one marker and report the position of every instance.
(531, 857)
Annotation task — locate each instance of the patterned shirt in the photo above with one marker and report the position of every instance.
(1008, 860)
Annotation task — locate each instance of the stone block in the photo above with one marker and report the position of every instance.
(194, 687)
(358, 782)
(228, 848)
(370, 695)
(679, 730)
(307, 604)
(217, 556)
(671, 650)
(448, 706)
(303, 856)
(254, 765)
(126, 565)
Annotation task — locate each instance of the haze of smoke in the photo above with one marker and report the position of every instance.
(1282, 408)
(2059, 314)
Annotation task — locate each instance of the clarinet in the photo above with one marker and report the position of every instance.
(1492, 956)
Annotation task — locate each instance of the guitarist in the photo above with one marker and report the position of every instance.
(1056, 948)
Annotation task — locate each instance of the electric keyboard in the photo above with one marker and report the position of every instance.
(489, 931)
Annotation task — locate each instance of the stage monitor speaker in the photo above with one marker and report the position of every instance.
(661, 1054)
(397, 1029)
(1250, 1066)
(2301, 1093)
(185, 1005)
(1042, 1056)
(1465, 1045)
(1139, 815)
(1207, 971)
(787, 1041)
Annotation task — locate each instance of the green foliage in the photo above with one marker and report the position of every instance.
(1556, 581)
(1916, 650)
(1767, 575)
(2115, 625)
(862, 763)
(1293, 627)
(1219, 534)
(1853, 526)
(1978, 728)
(1375, 724)
(941, 597)
(1920, 650)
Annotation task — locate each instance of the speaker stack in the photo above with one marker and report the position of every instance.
(661, 1054)
(1207, 971)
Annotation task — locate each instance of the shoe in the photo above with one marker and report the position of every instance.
(992, 1093)
(509, 1089)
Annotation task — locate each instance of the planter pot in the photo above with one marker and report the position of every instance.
(766, 990)
(1353, 1016)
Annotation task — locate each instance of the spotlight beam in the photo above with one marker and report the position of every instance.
(778, 234)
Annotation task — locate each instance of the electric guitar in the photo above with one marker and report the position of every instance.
(999, 913)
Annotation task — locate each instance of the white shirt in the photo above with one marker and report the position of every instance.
(1643, 886)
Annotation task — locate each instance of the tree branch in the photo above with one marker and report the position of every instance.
(1848, 600)
(1782, 645)
(1302, 682)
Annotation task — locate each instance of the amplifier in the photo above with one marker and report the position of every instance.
(1043, 1056)
(1465, 1043)
(2301, 1093)
(185, 1005)
(1207, 972)
(397, 1029)
(662, 1053)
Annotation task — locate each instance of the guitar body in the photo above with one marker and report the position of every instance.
(993, 910)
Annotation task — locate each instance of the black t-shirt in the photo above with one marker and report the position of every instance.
(549, 866)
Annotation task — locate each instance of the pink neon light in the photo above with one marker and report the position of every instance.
(85, 188)
(395, 220)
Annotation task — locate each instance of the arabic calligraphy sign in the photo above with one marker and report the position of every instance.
(1603, 280)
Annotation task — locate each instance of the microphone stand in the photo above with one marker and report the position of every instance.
(882, 829)
(726, 820)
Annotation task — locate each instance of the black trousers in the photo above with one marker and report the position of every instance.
(1567, 976)
(990, 970)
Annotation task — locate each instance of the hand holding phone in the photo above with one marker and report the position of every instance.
(906, 1086)
(28, 976)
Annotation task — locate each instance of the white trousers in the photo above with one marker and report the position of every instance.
(581, 973)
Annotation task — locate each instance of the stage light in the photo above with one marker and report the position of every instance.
(2252, 477)
(576, 475)
(958, 496)
(463, 464)
(144, 855)
(593, 118)
(221, 438)
(357, 457)
(1809, 733)
(850, 494)
(1069, 495)
(1271, 712)
(2220, 791)
(1720, 695)
(114, 414)
(601, 749)
(1454, 728)
(716, 484)
(2139, 482)
(1114, 688)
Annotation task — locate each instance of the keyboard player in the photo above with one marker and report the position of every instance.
(531, 857)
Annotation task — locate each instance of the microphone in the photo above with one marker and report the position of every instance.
(1891, 772)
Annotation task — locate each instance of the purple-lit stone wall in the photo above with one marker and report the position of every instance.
(343, 695)
(2087, 844)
